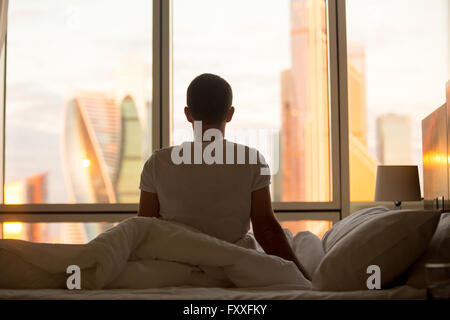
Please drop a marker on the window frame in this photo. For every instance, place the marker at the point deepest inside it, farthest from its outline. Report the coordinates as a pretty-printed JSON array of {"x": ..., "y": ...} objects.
[
  {"x": 2, "y": 119},
  {"x": 162, "y": 98}
]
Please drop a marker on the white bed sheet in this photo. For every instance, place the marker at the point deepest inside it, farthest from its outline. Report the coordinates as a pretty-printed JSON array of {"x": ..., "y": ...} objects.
[
  {"x": 197, "y": 293},
  {"x": 143, "y": 253}
]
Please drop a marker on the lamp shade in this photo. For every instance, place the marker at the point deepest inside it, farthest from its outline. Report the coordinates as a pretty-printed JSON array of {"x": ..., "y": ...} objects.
[{"x": 397, "y": 183}]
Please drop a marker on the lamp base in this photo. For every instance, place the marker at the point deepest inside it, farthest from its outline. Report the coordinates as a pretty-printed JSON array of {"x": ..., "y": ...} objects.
[{"x": 398, "y": 205}]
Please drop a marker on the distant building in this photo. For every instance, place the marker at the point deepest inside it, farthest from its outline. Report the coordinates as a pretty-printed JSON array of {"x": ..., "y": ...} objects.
[
  {"x": 305, "y": 113},
  {"x": 31, "y": 190},
  {"x": 363, "y": 171},
  {"x": 356, "y": 80},
  {"x": 130, "y": 161},
  {"x": 305, "y": 143},
  {"x": 37, "y": 188},
  {"x": 15, "y": 192},
  {"x": 305, "y": 108},
  {"x": 102, "y": 149},
  {"x": 363, "y": 165},
  {"x": 277, "y": 178},
  {"x": 394, "y": 139}
]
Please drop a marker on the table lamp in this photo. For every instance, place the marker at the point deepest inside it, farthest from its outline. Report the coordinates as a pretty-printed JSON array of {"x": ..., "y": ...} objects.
[{"x": 397, "y": 183}]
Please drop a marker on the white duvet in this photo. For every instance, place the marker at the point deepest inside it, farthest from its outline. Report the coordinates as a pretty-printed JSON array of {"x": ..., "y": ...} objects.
[{"x": 144, "y": 253}]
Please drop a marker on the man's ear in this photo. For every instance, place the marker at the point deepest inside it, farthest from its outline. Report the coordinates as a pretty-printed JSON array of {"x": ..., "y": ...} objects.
[
  {"x": 230, "y": 114},
  {"x": 188, "y": 115}
]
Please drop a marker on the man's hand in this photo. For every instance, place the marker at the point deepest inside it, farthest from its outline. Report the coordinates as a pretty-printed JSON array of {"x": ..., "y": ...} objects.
[
  {"x": 268, "y": 231},
  {"x": 148, "y": 205}
]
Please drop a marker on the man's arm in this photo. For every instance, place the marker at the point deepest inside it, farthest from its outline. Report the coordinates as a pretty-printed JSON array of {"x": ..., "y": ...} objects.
[
  {"x": 268, "y": 231},
  {"x": 148, "y": 205}
]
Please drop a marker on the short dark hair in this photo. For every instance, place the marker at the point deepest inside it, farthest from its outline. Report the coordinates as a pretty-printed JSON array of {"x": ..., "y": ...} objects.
[{"x": 209, "y": 97}]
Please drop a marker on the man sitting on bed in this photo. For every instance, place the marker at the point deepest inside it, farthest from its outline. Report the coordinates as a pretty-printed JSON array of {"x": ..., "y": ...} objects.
[{"x": 217, "y": 193}]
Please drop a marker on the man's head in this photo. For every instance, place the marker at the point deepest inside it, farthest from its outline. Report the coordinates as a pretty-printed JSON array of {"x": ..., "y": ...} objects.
[{"x": 209, "y": 99}]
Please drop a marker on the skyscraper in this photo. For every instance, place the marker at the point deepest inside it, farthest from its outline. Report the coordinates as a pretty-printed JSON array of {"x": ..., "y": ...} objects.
[
  {"x": 305, "y": 108},
  {"x": 130, "y": 161},
  {"x": 305, "y": 157},
  {"x": 356, "y": 91},
  {"x": 292, "y": 153},
  {"x": 394, "y": 139},
  {"x": 37, "y": 188},
  {"x": 102, "y": 149},
  {"x": 31, "y": 190},
  {"x": 363, "y": 165}
]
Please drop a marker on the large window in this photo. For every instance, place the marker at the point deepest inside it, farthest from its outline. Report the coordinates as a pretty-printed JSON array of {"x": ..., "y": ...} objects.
[
  {"x": 92, "y": 87},
  {"x": 398, "y": 63},
  {"x": 78, "y": 100},
  {"x": 274, "y": 55},
  {"x": 79, "y": 109}
]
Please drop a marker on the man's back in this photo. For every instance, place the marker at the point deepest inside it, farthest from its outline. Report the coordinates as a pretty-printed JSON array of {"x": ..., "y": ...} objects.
[
  {"x": 213, "y": 198},
  {"x": 219, "y": 197}
]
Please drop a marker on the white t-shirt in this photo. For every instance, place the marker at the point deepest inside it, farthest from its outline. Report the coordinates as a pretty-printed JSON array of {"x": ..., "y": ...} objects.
[{"x": 213, "y": 198}]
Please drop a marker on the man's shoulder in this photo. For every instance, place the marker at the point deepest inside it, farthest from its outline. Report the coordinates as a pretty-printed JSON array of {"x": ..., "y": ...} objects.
[
  {"x": 159, "y": 155},
  {"x": 242, "y": 146},
  {"x": 166, "y": 154},
  {"x": 250, "y": 152},
  {"x": 168, "y": 150},
  {"x": 163, "y": 151}
]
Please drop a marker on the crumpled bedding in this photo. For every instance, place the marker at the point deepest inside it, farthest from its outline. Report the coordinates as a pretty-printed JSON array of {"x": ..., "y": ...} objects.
[{"x": 144, "y": 252}]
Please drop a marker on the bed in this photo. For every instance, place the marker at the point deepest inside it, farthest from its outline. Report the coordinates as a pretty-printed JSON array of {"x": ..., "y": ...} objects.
[
  {"x": 141, "y": 259},
  {"x": 196, "y": 293}
]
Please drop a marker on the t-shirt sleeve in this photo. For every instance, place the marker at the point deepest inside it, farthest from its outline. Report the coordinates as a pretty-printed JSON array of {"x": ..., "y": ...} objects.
[
  {"x": 261, "y": 173},
  {"x": 148, "y": 177}
]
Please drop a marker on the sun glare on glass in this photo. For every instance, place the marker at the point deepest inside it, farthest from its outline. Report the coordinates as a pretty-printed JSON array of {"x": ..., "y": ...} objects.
[
  {"x": 12, "y": 228},
  {"x": 85, "y": 163}
]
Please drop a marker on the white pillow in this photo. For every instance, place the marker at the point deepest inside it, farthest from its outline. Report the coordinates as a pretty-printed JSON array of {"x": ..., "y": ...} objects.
[
  {"x": 392, "y": 240},
  {"x": 308, "y": 249},
  {"x": 343, "y": 227},
  {"x": 437, "y": 252}
]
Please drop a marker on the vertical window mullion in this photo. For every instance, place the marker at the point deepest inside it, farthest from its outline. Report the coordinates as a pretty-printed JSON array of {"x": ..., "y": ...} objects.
[
  {"x": 156, "y": 76},
  {"x": 343, "y": 107},
  {"x": 338, "y": 102},
  {"x": 166, "y": 73},
  {"x": 333, "y": 93},
  {"x": 162, "y": 73}
]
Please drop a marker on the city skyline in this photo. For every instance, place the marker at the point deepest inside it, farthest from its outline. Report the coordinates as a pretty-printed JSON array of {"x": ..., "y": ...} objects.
[
  {"x": 35, "y": 105},
  {"x": 51, "y": 63}
]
